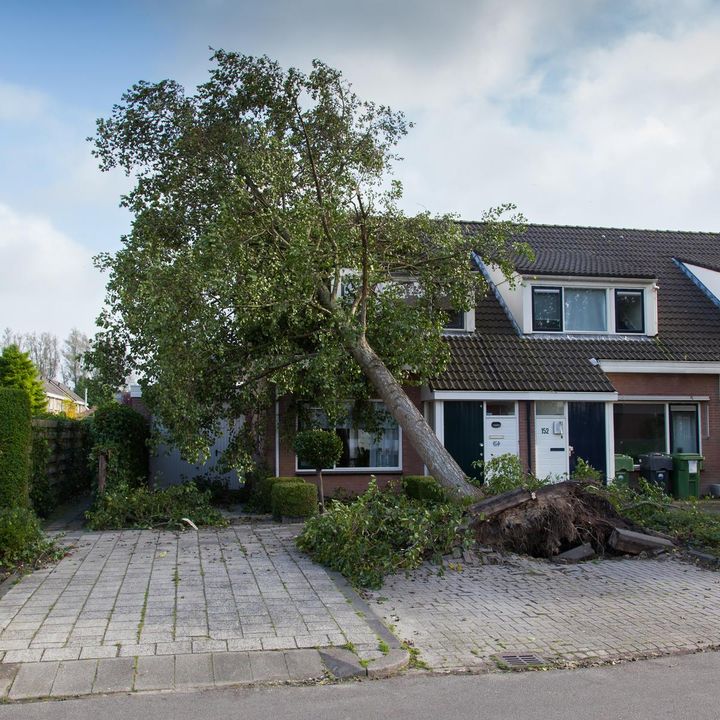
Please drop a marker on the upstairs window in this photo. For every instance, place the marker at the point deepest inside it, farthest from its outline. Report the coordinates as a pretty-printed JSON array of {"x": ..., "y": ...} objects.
[
  {"x": 587, "y": 310},
  {"x": 455, "y": 320},
  {"x": 629, "y": 311},
  {"x": 547, "y": 309}
]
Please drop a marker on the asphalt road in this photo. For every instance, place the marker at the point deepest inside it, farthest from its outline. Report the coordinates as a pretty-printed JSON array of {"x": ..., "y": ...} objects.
[{"x": 677, "y": 688}]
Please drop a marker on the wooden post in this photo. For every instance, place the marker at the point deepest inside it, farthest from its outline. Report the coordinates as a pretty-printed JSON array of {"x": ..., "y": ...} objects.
[{"x": 102, "y": 472}]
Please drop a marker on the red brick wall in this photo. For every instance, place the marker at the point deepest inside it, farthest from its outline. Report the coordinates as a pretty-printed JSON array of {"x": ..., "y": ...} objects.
[
  {"x": 684, "y": 385},
  {"x": 333, "y": 481},
  {"x": 527, "y": 449}
]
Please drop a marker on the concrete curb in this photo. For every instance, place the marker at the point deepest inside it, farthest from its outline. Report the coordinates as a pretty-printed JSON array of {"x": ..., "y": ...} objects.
[
  {"x": 389, "y": 665},
  {"x": 344, "y": 664},
  {"x": 159, "y": 673}
]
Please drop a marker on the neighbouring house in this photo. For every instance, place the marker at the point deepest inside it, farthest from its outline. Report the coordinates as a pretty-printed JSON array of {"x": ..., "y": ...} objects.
[
  {"x": 61, "y": 399},
  {"x": 607, "y": 342}
]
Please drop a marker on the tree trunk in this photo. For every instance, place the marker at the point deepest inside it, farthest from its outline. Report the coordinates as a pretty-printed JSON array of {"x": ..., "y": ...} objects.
[{"x": 438, "y": 460}]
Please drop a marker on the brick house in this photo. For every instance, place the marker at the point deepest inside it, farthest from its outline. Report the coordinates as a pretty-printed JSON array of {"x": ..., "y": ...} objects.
[{"x": 608, "y": 342}]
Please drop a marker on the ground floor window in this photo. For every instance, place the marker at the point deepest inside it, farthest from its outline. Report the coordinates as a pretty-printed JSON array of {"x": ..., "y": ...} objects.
[
  {"x": 362, "y": 449},
  {"x": 655, "y": 427},
  {"x": 684, "y": 435}
]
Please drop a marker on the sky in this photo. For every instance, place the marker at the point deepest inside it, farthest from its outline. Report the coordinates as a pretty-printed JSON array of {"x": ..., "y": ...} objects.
[{"x": 581, "y": 112}]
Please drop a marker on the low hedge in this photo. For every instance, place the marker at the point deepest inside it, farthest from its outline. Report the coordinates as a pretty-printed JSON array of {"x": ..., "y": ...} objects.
[
  {"x": 263, "y": 497},
  {"x": 21, "y": 539},
  {"x": 294, "y": 499},
  {"x": 421, "y": 487},
  {"x": 15, "y": 447}
]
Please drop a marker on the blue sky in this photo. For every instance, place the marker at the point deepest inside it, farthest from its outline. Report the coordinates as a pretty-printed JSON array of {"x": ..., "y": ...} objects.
[{"x": 590, "y": 112}]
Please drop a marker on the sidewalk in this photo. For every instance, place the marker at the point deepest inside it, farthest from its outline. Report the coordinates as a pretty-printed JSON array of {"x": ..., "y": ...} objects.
[{"x": 145, "y": 609}]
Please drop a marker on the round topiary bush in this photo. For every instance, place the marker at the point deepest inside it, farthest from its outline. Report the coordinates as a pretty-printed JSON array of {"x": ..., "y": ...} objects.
[
  {"x": 321, "y": 449},
  {"x": 294, "y": 500},
  {"x": 265, "y": 488},
  {"x": 15, "y": 447}
]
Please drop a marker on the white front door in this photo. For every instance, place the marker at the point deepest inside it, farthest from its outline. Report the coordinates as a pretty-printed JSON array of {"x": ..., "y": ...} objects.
[
  {"x": 551, "y": 440},
  {"x": 501, "y": 429}
]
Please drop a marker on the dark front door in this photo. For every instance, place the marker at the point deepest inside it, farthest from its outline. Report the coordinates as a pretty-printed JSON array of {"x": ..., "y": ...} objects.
[
  {"x": 464, "y": 433},
  {"x": 587, "y": 434}
]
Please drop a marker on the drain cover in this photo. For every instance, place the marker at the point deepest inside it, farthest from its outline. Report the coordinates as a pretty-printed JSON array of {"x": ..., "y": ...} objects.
[{"x": 521, "y": 660}]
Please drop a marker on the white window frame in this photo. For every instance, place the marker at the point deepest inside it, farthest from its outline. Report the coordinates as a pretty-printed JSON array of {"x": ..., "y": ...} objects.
[
  {"x": 666, "y": 405},
  {"x": 468, "y": 324},
  {"x": 358, "y": 470},
  {"x": 609, "y": 285}
]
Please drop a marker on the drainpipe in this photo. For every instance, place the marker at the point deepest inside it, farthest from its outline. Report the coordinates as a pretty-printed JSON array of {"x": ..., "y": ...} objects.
[{"x": 528, "y": 433}]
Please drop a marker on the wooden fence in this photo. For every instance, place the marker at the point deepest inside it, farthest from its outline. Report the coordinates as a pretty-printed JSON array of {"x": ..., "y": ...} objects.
[{"x": 68, "y": 449}]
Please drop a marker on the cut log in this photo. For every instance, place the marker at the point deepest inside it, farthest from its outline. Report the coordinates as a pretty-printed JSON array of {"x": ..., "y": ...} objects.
[
  {"x": 576, "y": 554},
  {"x": 500, "y": 503},
  {"x": 627, "y": 541}
]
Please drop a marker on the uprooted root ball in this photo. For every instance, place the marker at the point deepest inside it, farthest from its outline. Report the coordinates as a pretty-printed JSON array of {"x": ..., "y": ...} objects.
[{"x": 560, "y": 518}]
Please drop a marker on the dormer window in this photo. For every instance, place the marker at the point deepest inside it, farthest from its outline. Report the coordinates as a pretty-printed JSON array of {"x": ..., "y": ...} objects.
[
  {"x": 569, "y": 309},
  {"x": 576, "y": 309},
  {"x": 629, "y": 311},
  {"x": 459, "y": 321},
  {"x": 455, "y": 320}
]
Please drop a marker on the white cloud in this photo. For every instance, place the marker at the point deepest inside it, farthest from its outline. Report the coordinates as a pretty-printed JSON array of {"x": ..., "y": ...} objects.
[
  {"x": 630, "y": 138},
  {"x": 18, "y": 103},
  {"x": 47, "y": 281}
]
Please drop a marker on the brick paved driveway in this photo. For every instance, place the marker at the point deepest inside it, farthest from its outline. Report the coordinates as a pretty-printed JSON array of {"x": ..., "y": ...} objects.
[
  {"x": 604, "y": 610},
  {"x": 138, "y": 593}
]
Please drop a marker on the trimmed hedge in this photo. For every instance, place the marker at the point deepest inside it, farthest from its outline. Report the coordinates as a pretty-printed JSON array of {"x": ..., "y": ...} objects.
[
  {"x": 421, "y": 487},
  {"x": 265, "y": 488},
  {"x": 294, "y": 500},
  {"x": 122, "y": 434},
  {"x": 15, "y": 446}
]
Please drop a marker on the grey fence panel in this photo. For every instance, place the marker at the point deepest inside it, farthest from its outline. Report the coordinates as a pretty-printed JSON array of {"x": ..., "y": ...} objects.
[{"x": 168, "y": 468}]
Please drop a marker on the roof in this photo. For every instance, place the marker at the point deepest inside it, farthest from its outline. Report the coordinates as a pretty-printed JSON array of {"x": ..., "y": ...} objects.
[
  {"x": 497, "y": 357},
  {"x": 53, "y": 387}
]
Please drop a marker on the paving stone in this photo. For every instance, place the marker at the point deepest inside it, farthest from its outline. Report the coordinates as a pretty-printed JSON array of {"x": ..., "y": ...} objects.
[
  {"x": 23, "y": 656},
  {"x": 33, "y": 680},
  {"x": 74, "y": 677},
  {"x": 178, "y": 647},
  {"x": 98, "y": 651},
  {"x": 304, "y": 664},
  {"x": 268, "y": 666},
  {"x": 155, "y": 673},
  {"x": 114, "y": 675},
  {"x": 245, "y": 644},
  {"x": 232, "y": 668},
  {"x": 203, "y": 646},
  {"x": 136, "y": 650},
  {"x": 7, "y": 675},
  {"x": 193, "y": 670},
  {"x": 65, "y": 653}
]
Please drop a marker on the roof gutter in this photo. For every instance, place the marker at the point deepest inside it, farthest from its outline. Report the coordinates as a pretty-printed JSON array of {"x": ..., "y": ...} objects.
[{"x": 661, "y": 367}]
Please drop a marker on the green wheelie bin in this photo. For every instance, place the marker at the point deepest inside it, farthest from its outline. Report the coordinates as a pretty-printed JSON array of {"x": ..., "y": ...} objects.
[
  {"x": 624, "y": 465},
  {"x": 686, "y": 475}
]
